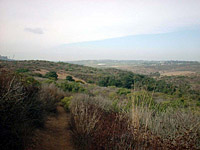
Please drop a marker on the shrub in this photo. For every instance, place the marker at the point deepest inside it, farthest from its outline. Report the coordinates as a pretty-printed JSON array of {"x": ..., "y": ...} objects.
[
  {"x": 49, "y": 81},
  {"x": 66, "y": 102},
  {"x": 21, "y": 111},
  {"x": 51, "y": 74},
  {"x": 71, "y": 87},
  {"x": 69, "y": 78},
  {"x": 123, "y": 91},
  {"x": 95, "y": 126},
  {"x": 83, "y": 120},
  {"x": 172, "y": 129},
  {"x": 37, "y": 75},
  {"x": 90, "y": 81},
  {"x": 50, "y": 94},
  {"x": 22, "y": 70}
]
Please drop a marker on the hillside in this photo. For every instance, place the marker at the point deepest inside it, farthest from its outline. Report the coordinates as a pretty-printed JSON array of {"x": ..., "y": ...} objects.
[
  {"x": 102, "y": 105},
  {"x": 172, "y": 87}
]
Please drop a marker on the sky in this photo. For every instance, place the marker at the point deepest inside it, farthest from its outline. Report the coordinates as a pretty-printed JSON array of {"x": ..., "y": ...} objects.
[{"x": 106, "y": 29}]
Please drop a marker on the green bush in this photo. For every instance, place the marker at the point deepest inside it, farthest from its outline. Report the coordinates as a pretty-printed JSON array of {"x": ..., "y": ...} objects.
[
  {"x": 71, "y": 87},
  {"x": 198, "y": 104},
  {"x": 69, "y": 78},
  {"x": 123, "y": 91},
  {"x": 90, "y": 81},
  {"x": 66, "y": 102},
  {"x": 22, "y": 70},
  {"x": 179, "y": 103},
  {"x": 51, "y": 74},
  {"x": 49, "y": 81}
]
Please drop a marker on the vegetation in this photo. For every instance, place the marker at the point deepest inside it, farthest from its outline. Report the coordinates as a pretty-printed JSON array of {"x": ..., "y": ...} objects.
[
  {"x": 97, "y": 124},
  {"x": 109, "y": 108},
  {"x": 22, "y": 70},
  {"x": 69, "y": 78},
  {"x": 185, "y": 87},
  {"x": 51, "y": 95},
  {"x": 66, "y": 102},
  {"x": 24, "y": 106},
  {"x": 51, "y": 74},
  {"x": 71, "y": 86},
  {"x": 21, "y": 110}
]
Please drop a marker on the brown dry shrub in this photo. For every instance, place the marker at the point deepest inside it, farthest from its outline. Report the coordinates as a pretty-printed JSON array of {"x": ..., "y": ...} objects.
[
  {"x": 94, "y": 127},
  {"x": 169, "y": 130},
  {"x": 51, "y": 95}
]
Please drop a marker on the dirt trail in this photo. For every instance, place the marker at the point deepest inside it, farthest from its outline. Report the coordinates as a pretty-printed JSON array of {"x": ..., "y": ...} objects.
[{"x": 56, "y": 135}]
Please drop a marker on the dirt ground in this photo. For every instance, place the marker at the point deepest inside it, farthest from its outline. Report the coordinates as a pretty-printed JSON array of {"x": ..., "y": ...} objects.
[
  {"x": 56, "y": 135},
  {"x": 61, "y": 74}
]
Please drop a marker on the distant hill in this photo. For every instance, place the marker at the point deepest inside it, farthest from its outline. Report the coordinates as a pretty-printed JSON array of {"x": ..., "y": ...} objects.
[{"x": 4, "y": 58}]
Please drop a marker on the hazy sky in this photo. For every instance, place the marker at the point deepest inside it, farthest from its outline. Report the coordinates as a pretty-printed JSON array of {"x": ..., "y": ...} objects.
[{"x": 30, "y": 29}]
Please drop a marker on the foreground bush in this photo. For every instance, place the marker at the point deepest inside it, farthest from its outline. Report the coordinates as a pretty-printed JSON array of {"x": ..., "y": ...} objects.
[
  {"x": 50, "y": 95},
  {"x": 95, "y": 124},
  {"x": 21, "y": 111}
]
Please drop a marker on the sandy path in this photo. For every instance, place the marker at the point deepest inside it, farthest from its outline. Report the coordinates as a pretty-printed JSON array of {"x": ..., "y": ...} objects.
[{"x": 56, "y": 135}]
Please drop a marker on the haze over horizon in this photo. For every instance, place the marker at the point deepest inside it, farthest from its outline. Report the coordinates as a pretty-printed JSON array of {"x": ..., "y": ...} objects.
[{"x": 68, "y": 30}]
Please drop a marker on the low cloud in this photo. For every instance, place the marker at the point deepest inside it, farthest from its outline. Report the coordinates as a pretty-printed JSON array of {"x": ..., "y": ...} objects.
[{"x": 34, "y": 30}]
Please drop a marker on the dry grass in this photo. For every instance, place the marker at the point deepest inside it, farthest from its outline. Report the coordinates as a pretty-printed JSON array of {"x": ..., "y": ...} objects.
[{"x": 83, "y": 120}]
